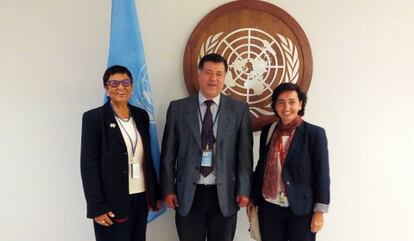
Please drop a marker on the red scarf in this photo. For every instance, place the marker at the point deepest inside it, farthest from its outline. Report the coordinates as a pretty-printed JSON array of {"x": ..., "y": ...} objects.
[{"x": 272, "y": 180}]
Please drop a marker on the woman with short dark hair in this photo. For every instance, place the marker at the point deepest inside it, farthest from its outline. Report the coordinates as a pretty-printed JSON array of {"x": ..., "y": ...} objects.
[{"x": 118, "y": 176}]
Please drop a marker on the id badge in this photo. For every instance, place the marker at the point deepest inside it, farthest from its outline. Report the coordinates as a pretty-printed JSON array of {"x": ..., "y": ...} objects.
[
  {"x": 282, "y": 200},
  {"x": 135, "y": 170},
  {"x": 207, "y": 160}
]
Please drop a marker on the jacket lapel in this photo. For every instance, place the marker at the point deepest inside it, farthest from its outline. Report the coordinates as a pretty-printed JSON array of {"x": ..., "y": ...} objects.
[
  {"x": 111, "y": 124},
  {"x": 193, "y": 119},
  {"x": 224, "y": 118},
  {"x": 296, "y": 141}
]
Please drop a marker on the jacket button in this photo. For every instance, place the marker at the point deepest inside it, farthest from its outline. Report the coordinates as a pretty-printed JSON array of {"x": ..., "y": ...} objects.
[
  {"x": 197, "y": 168},
  {"x": 288, "y": 183},
  {"x": 124, "y": 172},
  {"x": 194, "y": 183},
  {"x": 125, "y": 153}
]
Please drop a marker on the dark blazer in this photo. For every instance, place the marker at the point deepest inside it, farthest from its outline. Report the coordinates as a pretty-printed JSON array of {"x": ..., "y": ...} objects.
[
  {"x": 104, "y": 162},
  {"x": 305, "y": 172},
  {"x": 181, "y": 153}
]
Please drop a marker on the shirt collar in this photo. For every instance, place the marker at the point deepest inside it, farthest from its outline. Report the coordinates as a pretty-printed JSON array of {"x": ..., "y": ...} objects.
[{"x": 202, "y": 98}]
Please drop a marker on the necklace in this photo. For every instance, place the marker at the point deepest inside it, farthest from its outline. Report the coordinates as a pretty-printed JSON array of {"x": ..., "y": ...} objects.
[{"x": 120, "y": 118}]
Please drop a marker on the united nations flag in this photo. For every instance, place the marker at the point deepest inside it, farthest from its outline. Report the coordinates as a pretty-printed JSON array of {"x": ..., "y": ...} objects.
[{"x": 126, "y": 49}]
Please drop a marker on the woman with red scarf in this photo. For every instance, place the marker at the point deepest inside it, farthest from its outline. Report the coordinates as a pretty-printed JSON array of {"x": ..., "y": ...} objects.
[{"x": 291, "y": 179}]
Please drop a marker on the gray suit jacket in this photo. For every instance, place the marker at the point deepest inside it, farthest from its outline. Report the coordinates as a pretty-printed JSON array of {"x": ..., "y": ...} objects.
[{"x": 181, "y": 153}]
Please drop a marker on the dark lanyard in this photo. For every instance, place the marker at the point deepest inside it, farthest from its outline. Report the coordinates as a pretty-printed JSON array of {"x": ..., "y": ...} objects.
[{"x": 215, "y": 118}]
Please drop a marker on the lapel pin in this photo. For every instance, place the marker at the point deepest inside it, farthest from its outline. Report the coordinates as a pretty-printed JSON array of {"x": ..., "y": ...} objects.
[{"x": 112, "y": 125}]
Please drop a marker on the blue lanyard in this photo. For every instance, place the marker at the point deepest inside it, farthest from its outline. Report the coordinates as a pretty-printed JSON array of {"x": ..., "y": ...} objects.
[{"x": 134, "y": 148}]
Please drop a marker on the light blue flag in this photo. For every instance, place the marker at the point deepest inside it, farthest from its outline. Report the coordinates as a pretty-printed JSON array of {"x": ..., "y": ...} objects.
[{"x": 126, "y": 49}]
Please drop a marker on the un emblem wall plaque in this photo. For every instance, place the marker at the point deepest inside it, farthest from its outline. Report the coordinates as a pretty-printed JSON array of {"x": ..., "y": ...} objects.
[{"x": 264, "y": 46}]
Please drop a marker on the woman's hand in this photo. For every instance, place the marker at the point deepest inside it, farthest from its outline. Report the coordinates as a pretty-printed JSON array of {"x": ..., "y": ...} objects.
[
  {"x": 105, "y": 219},
  {"x": 160, "y": 203},
  {"x": 250, "y": 210},
  {"x": 317, "y": 222}
]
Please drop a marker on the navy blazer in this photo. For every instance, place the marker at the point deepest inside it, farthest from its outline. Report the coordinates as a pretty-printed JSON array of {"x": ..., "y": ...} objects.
[
  {"x": 305, "y": 172},
  {"x": 104, "y": 162}
]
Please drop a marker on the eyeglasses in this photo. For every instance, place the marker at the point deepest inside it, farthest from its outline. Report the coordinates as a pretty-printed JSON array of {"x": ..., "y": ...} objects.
[{"x": 116, "y": 83}]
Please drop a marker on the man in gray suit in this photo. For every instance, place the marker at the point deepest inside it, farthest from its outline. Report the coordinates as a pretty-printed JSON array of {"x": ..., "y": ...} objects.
[{"x": 206, "y": 157}]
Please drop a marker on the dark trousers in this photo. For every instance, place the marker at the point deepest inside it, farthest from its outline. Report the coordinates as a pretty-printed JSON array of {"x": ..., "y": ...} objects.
[
  {"x": 133, "y": 229},
  {"x": 205, "y": 219},
  {"x": 280, "y": 224}
]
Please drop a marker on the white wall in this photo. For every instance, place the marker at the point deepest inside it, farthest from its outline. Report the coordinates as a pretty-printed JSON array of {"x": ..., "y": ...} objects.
[{"x": 52, "y": 55}]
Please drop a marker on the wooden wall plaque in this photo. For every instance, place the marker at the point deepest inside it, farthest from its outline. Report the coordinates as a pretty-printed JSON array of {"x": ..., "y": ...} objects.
[{"x": 264, "y": 46}]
